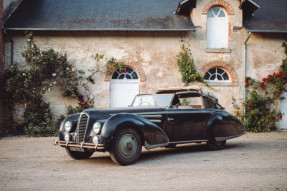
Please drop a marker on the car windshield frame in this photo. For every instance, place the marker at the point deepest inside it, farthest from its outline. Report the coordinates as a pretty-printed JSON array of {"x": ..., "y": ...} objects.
[{"x": 156, "y": 100}]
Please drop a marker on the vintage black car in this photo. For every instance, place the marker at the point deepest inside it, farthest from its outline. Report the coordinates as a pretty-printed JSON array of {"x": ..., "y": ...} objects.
[{"x": 165, "y": 119}]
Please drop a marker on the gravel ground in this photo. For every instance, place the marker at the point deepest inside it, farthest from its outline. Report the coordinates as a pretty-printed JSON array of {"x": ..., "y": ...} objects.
[{"x": 250, "y": 162}]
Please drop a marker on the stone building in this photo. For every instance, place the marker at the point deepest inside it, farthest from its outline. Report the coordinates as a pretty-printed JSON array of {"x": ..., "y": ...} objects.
[
  {"x": 229, "y": 39},
  {"x": 1, "y": 68}
]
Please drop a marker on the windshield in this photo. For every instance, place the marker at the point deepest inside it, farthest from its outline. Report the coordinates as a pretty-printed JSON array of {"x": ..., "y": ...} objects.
[{"x": 152, "y": 100}]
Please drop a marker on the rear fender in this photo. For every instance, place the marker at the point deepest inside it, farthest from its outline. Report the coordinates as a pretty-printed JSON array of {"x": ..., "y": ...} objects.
[
  {"x": 152, "y": 135},
  {"x": 222, "y": 126}
]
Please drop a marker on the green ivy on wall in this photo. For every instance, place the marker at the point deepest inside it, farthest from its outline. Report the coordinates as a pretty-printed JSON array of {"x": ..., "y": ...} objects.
[
  {"x": 44, "y": 69},
  {"x": 186, "y": 66}
]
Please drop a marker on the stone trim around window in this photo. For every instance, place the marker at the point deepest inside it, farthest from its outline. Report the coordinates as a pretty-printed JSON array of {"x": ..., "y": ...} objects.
[
  {"x": 221, "y": 3},
  {"x": 134, "y": 66},
  {"x": 232, "y": 74},
  {"x": 218, "y": 50}
]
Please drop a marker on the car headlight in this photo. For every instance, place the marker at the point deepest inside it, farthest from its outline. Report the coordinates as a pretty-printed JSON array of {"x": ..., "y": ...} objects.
[
  {"x": 68, "y": 126},
  {"x": 67, "y": 137},
  {"x": 97, "y": 127},
  {"x": 95, "y": 139}
]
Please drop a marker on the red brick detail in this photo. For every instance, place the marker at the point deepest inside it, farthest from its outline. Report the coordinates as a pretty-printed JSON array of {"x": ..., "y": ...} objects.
[
  {"x": 219, "y": 64},
  {"x": 221, "y": 3},
  {"x": 137, "y": 67}
]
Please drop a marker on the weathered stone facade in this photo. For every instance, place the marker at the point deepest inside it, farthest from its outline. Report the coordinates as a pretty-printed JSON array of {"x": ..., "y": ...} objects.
[
  {"x": 153, "y": 55},
  {"x": 1, "y": 70}
]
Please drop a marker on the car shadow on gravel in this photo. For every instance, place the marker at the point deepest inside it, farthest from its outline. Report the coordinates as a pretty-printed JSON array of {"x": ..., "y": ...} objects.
[
  {"x": 159, "y": 153},
  {"x": 184, "y": 149}
]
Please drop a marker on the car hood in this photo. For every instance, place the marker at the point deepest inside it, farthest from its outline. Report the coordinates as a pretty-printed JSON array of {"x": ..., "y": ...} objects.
[{"x": 104, "y": 113}]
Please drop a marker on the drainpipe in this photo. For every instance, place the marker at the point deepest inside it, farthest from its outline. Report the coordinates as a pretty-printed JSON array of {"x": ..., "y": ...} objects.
[
  {"x": 245, "y": 64},
  {"x": 11, "y": 42},
  {"x": 5, "y": 32}
]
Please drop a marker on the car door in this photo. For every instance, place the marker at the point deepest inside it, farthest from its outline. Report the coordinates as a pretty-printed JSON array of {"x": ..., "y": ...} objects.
[{"x": 187, "y": 121}]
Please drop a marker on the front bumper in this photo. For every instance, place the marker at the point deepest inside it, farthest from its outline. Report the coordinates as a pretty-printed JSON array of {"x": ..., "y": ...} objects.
[{"x": 90, "y": 146}]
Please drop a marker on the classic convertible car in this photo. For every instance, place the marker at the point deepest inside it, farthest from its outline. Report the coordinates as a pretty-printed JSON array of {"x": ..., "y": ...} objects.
[{"x": 165, "y": 119}]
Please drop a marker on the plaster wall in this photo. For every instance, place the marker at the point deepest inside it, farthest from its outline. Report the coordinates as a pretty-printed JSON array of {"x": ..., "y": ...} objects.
[
  {"x": 265, "y": 54},
  {"x": 155, "y": 52}
]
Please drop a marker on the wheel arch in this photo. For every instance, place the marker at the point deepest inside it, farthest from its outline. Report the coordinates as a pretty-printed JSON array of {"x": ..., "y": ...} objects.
[
  {"x": 150, "y": 133},
  {"x": 223, "y": 126}
]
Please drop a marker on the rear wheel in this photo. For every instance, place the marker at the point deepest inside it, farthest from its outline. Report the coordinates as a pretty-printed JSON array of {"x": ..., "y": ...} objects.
[
  {"x": 216, "y": 145},
  {"x": 127, "y": 147},
  {"x": 79, "y": 155}
]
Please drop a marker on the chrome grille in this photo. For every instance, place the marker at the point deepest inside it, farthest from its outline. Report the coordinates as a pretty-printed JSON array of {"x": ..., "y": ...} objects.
[{"x": 81, "y": 128}]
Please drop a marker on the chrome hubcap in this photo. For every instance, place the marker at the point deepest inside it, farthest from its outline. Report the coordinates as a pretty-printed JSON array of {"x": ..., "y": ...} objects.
[{"x": 127, "y": 146}]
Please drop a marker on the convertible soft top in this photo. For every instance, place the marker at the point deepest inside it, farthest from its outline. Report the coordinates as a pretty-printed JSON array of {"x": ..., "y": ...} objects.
[{"x": 187, "y": 88}]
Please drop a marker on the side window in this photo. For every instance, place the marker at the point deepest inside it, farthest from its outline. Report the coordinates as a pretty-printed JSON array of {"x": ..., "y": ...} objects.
[
  {"x": 217, "y": 28},
  {"x": 189, "y": 102}
]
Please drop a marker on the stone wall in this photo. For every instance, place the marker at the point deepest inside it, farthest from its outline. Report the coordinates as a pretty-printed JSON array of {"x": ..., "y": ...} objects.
[
  {"x": 153, "y": 55},
  {"x": 2, "y": 128}
]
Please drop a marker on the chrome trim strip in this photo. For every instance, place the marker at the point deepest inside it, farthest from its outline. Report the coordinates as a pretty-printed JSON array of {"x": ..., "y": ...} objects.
[
  {"x": 180, "y": 111},
  {"x": 151, "y": 116},
  {"x": 191, "y": 141},
  {"x": 154, "y": 120}
]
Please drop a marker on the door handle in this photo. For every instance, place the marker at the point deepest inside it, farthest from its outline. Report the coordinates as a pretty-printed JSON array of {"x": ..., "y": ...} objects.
[{"x": 170, "y": 119}]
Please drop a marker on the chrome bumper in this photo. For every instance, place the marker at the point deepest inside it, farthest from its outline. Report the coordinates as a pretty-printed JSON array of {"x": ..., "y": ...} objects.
[{"x": 83, "y": 145}]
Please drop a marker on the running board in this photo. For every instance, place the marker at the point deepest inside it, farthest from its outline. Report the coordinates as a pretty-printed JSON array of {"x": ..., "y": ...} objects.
[{"x": 192, "y": 141}]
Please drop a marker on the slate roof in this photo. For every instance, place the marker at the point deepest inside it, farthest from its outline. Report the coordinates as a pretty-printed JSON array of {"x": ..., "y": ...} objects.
[
  {"x": 98, "y": 15},
  {"x": 270, "y": 17}
]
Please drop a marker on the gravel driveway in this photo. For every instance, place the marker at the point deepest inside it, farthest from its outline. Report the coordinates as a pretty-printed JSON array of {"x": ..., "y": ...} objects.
[{"x": 250, "y": 162}]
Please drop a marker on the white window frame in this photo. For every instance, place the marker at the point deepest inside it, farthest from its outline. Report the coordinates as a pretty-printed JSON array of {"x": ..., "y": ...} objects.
[
  {"x": 217, "y": 81},
  {"x": 217, "y": 29}
]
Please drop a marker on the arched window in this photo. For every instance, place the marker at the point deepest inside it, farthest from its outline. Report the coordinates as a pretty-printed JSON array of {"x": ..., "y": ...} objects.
[
  {"x": 217, "y": 28},
  {"x": 125, "y": 73},
  {"x": 216, "y": 75}
]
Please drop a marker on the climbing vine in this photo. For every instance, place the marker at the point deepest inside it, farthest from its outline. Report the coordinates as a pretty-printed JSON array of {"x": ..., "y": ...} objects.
[
  {"x": 26, "y": 86},
  {"x": 261, "y": 107},
  {"x": 186, "y": 66}
]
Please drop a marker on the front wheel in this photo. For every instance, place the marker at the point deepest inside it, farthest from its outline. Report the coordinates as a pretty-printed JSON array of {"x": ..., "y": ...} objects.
[
  {"x": 216, "y": 145},
  {"x": 127, "y": 147},
  {"x": 79, "y": 155}
]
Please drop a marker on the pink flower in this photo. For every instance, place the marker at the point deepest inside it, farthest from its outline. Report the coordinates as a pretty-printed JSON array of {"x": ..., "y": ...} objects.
[{"x": 250, "y": 105}]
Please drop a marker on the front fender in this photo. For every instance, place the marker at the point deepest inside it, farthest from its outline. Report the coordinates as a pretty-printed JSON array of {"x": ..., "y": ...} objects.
[
  {"x": 222, "y": 126},
  {"x": 74, "y": 119},
  {"x": 153, "y": 135}
]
